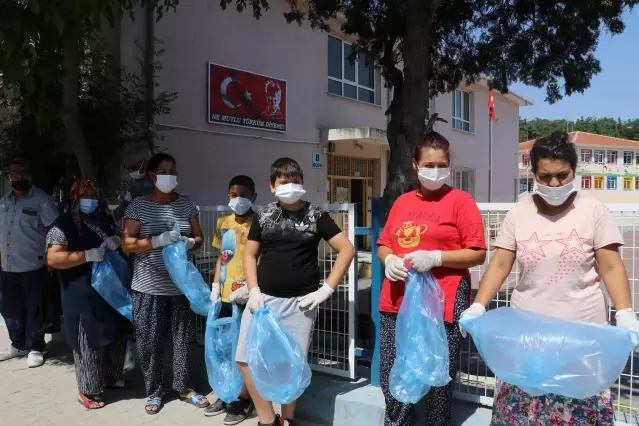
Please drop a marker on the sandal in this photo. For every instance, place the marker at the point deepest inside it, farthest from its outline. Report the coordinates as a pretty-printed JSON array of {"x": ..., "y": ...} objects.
[
  {"x": 195, "y": 399},
  {"x": 91, "y": 402},
  {"x": 153, "y": 402}
]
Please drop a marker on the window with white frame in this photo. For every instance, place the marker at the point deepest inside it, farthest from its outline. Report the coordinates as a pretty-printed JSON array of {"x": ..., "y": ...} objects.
[
  {"x": 628, "y": 157},
  {"x": 612, "y": 157},
  {"x": 586, "y": 155},
  {"x": 462, "y": 110},
  {"x": 350, "y": 77},
  {"x": 464, "y": 179},
  {"x": 611, "y": 182},
  {"x": 586, "y": 182},
  {"x": 599, "y": 156}
]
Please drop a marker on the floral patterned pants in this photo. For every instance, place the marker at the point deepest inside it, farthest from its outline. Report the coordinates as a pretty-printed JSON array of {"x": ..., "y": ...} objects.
[{"x": 514, "y": 407}]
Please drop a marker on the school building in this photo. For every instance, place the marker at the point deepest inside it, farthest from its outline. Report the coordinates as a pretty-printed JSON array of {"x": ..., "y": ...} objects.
[
  {"x": 251, "y": 91},
  {"x": 608, "y": 167}
]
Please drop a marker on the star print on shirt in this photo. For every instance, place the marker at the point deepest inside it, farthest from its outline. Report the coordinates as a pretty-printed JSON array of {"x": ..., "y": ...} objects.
[
  {"x": 573, "y": 244},
  {"x": 533, "y": 245}
]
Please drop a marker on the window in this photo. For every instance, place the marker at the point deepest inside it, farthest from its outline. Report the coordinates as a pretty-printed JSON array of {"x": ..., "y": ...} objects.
[
  {"x": 586, "y": 182},
  {"x": 637, "y": 182},
  {"x": 612, "y": 157},
  {"x": 627, "y": 183},
  {"x": 611, "y": 182},
  {"x": 525, "y": 159},
  {"x": 628, "y": 157},
  {"x": 586, "y": 155},
  {"x": 599, "y": 182},
  {"x": 464, "y": 179},
  {"x": 599, "y": 156},
  {"x": 348, "y": 77},
  {"x": 462, "y": 110}
]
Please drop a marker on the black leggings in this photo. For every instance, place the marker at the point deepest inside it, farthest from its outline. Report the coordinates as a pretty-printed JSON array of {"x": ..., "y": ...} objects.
[{"x": 438, "y": 400}]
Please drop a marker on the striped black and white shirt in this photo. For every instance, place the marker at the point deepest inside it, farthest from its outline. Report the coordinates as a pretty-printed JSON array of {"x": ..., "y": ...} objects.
[{"x": 149, "y": 273}]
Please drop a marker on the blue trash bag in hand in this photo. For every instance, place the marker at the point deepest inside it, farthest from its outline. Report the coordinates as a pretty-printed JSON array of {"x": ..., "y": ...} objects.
[
  {"x": 276, "y": 359},
  {"x": 111, "y": 279},
  {"x": 542, "y": 355},
  {"x": 186, "y": 276},
  {"x": 422, "y": 359},
  {"x": 220, "y": 345}
]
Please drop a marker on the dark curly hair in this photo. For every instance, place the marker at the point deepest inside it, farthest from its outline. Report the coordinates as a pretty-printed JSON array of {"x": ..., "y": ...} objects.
[{"x": 554, "y": 147}]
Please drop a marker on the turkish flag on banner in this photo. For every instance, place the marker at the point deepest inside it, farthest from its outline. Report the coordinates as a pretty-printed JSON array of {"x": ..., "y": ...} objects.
[{"x": 491, "y": 104}]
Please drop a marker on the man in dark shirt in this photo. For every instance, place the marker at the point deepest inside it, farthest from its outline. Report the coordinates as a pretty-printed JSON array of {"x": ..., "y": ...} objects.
[{"x": 285, "y": 236}]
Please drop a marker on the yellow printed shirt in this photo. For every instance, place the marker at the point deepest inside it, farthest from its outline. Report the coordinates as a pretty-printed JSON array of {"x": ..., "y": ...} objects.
[{"x": 230, "y": 239}]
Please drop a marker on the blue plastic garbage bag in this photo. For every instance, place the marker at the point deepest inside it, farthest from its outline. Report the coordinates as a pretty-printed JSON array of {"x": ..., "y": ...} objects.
[
  {"x": 220, "y": 345},
  {"x": 276, "y": 359},
  {"x": 542, "y": 354},
  {"x": 186, "y": 276},
  {"x": 422, "y": 359},
  {"x": 111, "y": 279}
]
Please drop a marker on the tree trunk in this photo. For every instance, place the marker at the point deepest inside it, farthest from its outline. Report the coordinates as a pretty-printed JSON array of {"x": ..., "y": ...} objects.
[
  {"x": 70, "y": 117},
  {"x": 410, "y": 99}
]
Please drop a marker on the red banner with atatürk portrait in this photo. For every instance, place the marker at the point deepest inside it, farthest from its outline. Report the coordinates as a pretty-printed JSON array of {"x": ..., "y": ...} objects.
[{"x": 241, "y": 98}]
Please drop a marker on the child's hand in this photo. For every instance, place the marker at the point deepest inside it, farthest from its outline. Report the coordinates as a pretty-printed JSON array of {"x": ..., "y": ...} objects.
[
  {"x": 255, "y": 300},
  {"x": 240, "y": 296},
  {"x": 215, "y": 292}
]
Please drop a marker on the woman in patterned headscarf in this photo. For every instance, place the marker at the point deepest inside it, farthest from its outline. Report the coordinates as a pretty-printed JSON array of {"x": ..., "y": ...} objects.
[{"x": 96, "y": 332}]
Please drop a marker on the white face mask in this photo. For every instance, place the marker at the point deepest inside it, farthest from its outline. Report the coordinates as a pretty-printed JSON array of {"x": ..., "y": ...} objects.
[
  {"x": 240, "y": 205},
  {"x": 138, "y": 174},
  {"x": 166, "y": 183},
  {"x": 289, "y": 193},
  {"x": 555, "y": 195},
  {"x": 433, "y": 179}
]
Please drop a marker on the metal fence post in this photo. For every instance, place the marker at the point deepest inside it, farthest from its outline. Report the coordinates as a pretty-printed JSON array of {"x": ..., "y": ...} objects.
[{"x": 376, "y": 286}]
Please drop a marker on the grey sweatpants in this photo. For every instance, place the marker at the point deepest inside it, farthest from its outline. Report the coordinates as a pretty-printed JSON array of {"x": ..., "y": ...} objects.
[{"x": 299, "y": 322}]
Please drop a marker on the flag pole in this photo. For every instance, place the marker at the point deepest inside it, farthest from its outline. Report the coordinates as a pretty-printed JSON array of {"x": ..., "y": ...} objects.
[{"x": 490, "y": 158}]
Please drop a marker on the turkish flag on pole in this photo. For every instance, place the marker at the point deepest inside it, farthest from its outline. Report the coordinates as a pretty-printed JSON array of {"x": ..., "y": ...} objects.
[{"x": 491, "y": 104}]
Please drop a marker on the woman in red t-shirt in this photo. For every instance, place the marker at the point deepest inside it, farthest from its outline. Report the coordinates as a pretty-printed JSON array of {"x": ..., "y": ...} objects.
[{"x": 436, "y": 228}]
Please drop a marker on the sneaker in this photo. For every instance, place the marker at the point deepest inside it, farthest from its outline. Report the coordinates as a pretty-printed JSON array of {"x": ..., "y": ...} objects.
[
  {"x": 238, "y": 411},
  {"x": 11, "y": 353},
  {"x": 215, "y": 409},
  {"x": 280, "y": 422},
  {"x": 35, "y": 359}
]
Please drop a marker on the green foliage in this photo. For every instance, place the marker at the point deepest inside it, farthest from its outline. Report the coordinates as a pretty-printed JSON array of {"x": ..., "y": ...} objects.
[
  {"x": 538, "y": 127},
  {"x": 111, "y": 112}
]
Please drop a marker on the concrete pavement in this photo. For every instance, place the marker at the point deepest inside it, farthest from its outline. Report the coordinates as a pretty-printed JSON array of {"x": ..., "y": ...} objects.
[{"x": 46, "y": 396}]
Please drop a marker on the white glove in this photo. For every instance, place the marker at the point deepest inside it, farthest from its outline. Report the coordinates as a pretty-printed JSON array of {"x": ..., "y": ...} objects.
[
  {"x": 395, "y": 269},
  {"x": 215, "y": 292},
  {"x": 189, "y": 242},
  {"x": 112, "y": 243},
  {"x": 94, "y": 255},
  {"x": 255, "y": 300},
  {"x": 424, "y": 260},
  {"x": 128, "y": 197},
  {"x": 316, "y": 298},
  {"x": 476, "y": 310},
  {"x": 240, "y": 296},
  {"x": 626, "y": 318},
  {"x": 165, "y": 238}
]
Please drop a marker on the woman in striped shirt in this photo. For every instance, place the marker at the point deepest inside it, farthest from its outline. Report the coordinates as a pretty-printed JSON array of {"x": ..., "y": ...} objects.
[{"x": 159, "y": 308}]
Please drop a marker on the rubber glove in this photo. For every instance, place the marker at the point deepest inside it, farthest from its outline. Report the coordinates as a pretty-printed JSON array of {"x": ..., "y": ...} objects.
[
  {"x": 165, "y": 238},
  {"x": 626, "y": 318},
  {"x": 128, "y": 197},
  {"x": 189, "y": 242},
  {"x": 94, "y": 255},
  {"x": 395, "y": 269},
  {"x": 240, "y": 296},
  {"x": 255, "y": 300},
  {"x": 316, "y": 298},
  {"x": 112, "y": 243},
  {"x": 475, "y": 311},
  {"x": 424, "y": 260},
  {"x": 215, "y": 292}
]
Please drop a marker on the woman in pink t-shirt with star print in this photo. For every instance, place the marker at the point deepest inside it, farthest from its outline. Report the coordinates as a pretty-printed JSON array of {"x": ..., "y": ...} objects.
[{"x": 566, "y": 243}]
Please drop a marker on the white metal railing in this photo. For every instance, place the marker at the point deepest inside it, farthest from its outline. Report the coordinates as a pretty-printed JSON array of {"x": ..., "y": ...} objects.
[{"x": 476, "y": 383}]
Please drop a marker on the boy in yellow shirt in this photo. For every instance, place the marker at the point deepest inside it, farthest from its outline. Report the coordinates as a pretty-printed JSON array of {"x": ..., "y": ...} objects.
[{"x": 231, "y": 235}]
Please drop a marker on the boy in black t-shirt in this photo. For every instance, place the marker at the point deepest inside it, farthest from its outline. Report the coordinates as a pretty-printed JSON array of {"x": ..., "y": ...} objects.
[{"x": 285, "y": 236}]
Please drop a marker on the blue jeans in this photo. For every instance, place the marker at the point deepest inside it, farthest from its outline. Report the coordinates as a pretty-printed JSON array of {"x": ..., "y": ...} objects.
[{"x": 21, "y": 307}]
